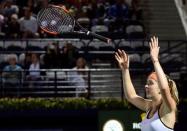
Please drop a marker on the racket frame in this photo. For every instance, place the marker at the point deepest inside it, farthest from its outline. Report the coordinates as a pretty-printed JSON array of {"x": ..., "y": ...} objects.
[{"x": 82, "y": 29}]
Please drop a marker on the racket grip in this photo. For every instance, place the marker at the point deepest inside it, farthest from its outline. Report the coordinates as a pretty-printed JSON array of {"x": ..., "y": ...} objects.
[{"x": 100, "y": 37}]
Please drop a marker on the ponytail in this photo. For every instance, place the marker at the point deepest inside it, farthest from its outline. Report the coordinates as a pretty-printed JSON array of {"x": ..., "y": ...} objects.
[{"x": 173, "y": 90}]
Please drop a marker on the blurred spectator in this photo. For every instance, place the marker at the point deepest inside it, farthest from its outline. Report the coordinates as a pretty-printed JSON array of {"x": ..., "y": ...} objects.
[
  {"x": 12, "y": 75},
  {"x": 13, "y": 29},
  {"x": 22, "y": 3},
  {"x": 38, "y": 5},
  {"x": 101, "y": 12},
  {"x": 136, "y": 10},
  {"x": 111, "y": 13},
  {"x": 78, "y": 3},
  {"x": 69, "y": 56},
  {"x": 78, "y": 78},
  {"x": 34, "y": 69},
  {"x": 117, "y": 15},
  {"x": 31, "y": 3},
  {"x": 28, "y": 24},
  {"x": 34, "y": 73},
  {"x": 118, "y": 10},
  {"x": 27, "y": 61},
  {"x": 52, "y": 58},
  {"x": 73, "y": 11},
  {"x": 8, "y": 8},
  {"x": 91, "y": 10},
  {"x": 97, "y": 12},
  {"x": 81, "y": 64}
]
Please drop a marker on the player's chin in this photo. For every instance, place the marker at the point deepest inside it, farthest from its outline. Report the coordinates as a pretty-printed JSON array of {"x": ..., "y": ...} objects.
[{"x": 148, "y": 96}]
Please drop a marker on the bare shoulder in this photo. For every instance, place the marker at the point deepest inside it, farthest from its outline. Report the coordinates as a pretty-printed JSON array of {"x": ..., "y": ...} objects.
[{"x": 140, "y": 102}]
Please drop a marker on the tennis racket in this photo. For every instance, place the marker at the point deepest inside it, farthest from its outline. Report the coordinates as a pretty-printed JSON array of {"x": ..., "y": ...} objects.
[{"x": 57, "y": 20}]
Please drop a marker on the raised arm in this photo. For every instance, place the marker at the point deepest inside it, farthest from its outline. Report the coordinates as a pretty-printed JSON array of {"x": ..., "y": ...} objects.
[
  {"x": 130, "y": 93},
  {"x": 162, "y": 80}
]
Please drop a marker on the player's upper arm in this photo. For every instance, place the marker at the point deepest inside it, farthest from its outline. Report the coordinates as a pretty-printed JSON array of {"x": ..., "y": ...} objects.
[
  {"x": 140, "y": 102},
  {"x": 168, "y": 99}
]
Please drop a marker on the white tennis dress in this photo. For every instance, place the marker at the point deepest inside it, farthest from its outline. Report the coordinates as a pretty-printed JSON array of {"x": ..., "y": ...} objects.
[{"x": 154, "y": 124}]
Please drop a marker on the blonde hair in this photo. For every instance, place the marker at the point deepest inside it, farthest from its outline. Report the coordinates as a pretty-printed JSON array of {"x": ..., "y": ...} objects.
[
  {"x": 173, "y": 89},
  {"x": 171, "y": 84}
]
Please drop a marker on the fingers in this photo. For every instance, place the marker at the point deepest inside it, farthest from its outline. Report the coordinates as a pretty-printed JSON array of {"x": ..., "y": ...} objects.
[
  {"x": 125, "y": 57},
  {"x": 150, "y": 45},
  {"x": 157, "y": 41},
  {"x": 154, "y": 42},
  {"x": 120, "y": 54},
  {"x": 117, "y": 56}
]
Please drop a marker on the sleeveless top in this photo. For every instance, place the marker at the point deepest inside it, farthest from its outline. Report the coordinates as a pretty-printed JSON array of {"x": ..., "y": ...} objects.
[{"x": 154, "y": 124}]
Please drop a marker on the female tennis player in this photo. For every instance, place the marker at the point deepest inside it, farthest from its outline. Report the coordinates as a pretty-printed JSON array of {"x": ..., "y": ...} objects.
[{"x": 161, "y": 92}]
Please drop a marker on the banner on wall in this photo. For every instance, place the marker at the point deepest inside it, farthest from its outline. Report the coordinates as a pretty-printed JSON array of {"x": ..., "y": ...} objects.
[{"x": 120, "y": 120}]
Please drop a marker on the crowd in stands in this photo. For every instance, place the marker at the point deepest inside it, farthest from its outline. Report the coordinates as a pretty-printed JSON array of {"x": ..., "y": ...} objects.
[
  {"x": 18, "y": 21},
  {"x": 18, "y": 68},
  {"x": 18, "y": 18},
  {"x": 54, "y": 57}
]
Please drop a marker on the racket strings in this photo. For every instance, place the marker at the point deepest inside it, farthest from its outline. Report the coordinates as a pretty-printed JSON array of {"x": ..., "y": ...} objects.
[{"x": 55, "y": 20}]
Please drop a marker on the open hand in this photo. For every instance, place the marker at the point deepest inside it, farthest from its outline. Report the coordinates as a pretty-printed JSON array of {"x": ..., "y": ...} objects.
[
  {"x": 154, "y": 48},
  {"x": 123, "y": 59}
]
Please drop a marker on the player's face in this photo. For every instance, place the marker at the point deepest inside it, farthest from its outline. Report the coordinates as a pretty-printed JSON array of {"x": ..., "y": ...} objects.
[{"x": 151, "y": 88}]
